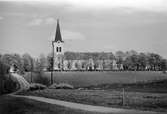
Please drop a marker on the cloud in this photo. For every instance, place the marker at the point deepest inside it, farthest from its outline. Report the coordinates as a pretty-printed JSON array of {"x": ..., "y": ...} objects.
[
  {"x": 35, "y": 22},
  {"x": 50, "y": 21},
  {"x": 70, "y": 35},
  {"x": 112, "y": 48},
  {"x": 151, "y": 5},
  {"x": 42, "y": 21},
  {"x": 1, "y": 18},
  {"x": 17, "y": 14}
]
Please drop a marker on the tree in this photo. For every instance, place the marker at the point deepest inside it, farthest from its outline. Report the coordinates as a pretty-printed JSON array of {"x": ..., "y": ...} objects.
[
  {"x": 163, "y": 64},
  {"x": 130, "y": 53},
  {"x": 6, "y": 84},
  {"x": 27, "y": 62},
  {"x": 154, "y": 61},
  {"x": 41, "y": 63},
  {"x": 143, "y": 61},
  {"x": 10, "y": 59},
  {"x": 49, "y": 62},
  {"x": 131, "y": 62},
  {"x": 120, "y": 54},
  {"x": 4, "y": 69}
]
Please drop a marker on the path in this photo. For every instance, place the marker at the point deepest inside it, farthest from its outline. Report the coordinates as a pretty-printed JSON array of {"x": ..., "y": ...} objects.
[
  {"x": 85, "y": 107},
  {"x": 23, "y": 84}
]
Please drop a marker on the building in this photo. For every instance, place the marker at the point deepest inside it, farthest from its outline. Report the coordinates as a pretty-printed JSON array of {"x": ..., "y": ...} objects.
[
  {"x": 58, "y": 51},
  {"x": 59, "y": 63}
]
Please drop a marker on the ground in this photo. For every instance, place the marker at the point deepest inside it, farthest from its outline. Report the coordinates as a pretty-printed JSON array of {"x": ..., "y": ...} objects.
[
  {"x": 145, "y": 98},
  {"x": 82, "y": 79},
  {"x": 13, "y": 105},
  {"x": 132, "y": 100}
]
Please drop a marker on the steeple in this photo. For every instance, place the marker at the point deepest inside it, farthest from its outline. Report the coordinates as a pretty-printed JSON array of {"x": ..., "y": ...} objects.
[{"x": 58, "y": 33}]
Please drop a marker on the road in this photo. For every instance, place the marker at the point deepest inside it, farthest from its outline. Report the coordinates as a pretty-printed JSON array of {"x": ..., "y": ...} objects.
[{"x": 85, "y": 107}]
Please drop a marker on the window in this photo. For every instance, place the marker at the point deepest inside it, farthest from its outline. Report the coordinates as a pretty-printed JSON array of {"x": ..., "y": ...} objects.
[{"x": 59, "y": 49}]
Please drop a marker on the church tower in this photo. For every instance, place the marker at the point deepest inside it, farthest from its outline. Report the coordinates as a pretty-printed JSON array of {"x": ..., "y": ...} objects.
[{"x": 58, "y": 51}]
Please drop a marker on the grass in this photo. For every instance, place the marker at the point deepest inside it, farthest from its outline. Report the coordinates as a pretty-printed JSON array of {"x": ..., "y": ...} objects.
[
  {"x": 83, "y": 79},
  {"x": 134, "y": 100},
  {"x": 12, "y": 105},
  {"x": 149, "y": 93},
  {"x": 158, "y": 86}
]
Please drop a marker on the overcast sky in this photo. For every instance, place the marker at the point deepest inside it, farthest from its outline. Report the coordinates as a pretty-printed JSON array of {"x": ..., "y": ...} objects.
[{"x": 86, "y": 25}]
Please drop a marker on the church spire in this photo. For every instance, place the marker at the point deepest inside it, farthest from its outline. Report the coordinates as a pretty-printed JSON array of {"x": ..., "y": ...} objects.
[{"x": 58, "y": 33}]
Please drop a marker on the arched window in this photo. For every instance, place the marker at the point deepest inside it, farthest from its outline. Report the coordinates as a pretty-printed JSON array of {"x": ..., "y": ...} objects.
[{"x": 57, "y": 49}]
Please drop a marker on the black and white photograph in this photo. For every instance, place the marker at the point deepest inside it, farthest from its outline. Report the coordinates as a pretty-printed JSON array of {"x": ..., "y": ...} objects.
[{"x": 83, "y": 56}]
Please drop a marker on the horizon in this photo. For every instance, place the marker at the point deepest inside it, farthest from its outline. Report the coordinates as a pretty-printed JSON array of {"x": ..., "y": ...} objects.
[{"x": 109, "y": 26}]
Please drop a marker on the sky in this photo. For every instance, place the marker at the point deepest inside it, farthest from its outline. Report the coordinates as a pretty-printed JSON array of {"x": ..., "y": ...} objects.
[{"x": 86, "y": 25}]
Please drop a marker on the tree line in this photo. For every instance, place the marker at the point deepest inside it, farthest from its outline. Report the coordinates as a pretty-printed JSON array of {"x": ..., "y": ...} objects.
[{"x": 131, "y": 60}]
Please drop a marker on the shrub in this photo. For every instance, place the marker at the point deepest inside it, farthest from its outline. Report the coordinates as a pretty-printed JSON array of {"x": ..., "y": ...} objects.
[
  {"x": 61, "y": 86},
  {"x": 7, "y": 85},
  {"x": 40, "y": 78},
  {"x": 53, "y": 86},
  {"x": 37, "y": 86},
  {"x": 4, "y": 68}
]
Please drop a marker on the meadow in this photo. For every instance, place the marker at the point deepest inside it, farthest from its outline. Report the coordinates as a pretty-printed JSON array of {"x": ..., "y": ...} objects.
[
  {"x": 142, "y": 90},
  {"x": 84, "y": 79},
  {"x": 110, "y": 98}
]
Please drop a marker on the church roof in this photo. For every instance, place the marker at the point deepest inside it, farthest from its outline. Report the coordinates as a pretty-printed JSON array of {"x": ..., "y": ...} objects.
[{"x": 58, "y": 33}]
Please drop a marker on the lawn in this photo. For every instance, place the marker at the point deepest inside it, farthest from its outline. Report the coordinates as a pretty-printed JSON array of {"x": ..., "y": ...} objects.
[
  {"x": 132, "y": 100},
  {"x": 82, "y": 79},
  {"x": 13, "y": 105}
]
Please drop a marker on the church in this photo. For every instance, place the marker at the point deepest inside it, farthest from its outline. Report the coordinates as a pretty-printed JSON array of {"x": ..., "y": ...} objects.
[
  {"x": 58, "y": 52},
  {"x": 60, "y": 63}
]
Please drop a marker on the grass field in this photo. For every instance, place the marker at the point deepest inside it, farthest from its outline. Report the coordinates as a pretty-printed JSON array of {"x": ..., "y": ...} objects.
[
  {"x": 82, "y": 79},
  {"x": 132, "y": 100},
  {"x": 150, "y": 95},
  {"x": 143, "y": 90},
  {"x": 156, "y": 86},
  {"x": 13, "y": 105}
]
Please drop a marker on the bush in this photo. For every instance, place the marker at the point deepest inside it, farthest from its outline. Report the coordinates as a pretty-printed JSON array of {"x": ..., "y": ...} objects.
[
  {"x": 7, "y": 85},
  {"x": 40, "y": 78},
  {"x": 53, "y": 86},
  {"x": 3, "y": 70},
  {"x": 37, "y": 86},
  {"x": 61, "y": 86}
]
